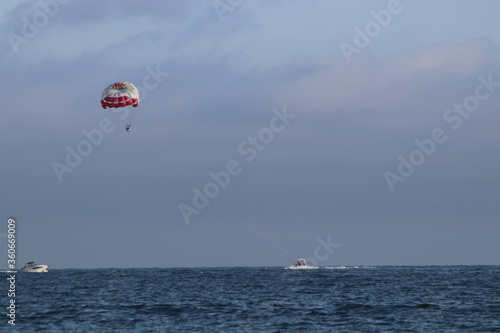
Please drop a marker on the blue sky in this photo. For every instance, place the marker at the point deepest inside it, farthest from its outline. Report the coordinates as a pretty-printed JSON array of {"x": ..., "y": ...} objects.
[{"x": 385, "y": 156}]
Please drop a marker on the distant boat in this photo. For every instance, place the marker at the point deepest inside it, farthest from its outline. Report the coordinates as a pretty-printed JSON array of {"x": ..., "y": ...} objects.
[
  {"x": 300, "y": 264},
  {"x": 34, "y": 268}
]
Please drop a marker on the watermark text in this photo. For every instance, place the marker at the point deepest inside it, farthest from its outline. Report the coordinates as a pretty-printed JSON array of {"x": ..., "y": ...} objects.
[
  {"x": 454, "y": 118},
  {"x": 249, "y": 149},
  {"x": 11, "y": 264}
]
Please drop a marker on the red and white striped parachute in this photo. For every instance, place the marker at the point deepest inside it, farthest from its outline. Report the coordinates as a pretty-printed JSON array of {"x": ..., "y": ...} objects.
[{"x": 120, "y": 94}]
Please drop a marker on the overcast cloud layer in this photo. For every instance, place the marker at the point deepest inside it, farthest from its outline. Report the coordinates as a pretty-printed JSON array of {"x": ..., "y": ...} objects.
[{"x": 344, "y": 132}]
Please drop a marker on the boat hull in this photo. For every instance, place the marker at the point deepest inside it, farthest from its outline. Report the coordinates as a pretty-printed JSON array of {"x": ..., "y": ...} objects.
[
  {"x": 36, "y": 269},
  {"x": 301, "y": 267}
]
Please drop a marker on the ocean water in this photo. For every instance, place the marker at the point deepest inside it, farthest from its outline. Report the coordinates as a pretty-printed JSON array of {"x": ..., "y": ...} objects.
[{"x": 266, "y": 299}]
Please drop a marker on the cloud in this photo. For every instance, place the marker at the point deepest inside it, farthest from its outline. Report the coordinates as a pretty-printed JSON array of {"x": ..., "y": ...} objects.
[
  {"x": 390, "y": 83},
  {"x": 49, "y": 29},
  {"x": 225, "y": 77},
  {"x": 458, "y": 59}
]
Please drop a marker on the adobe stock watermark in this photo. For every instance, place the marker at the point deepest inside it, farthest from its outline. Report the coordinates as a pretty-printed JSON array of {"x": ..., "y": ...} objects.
[
  {"x": 322, "y": 251},
  {"x": 11, "y": 264},
  {"x": 454, "y": 118},
  {"x": 363, "y": 37},
  {"x": 95, "y": 136},
  {"x": 223, "y": 6},
  {"x": 31, "y": 26},
  {"x": 248, "y": 149}
]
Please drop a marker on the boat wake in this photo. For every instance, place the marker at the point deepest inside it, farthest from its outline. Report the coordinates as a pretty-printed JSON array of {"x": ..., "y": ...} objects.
[{"x": 348, "y": 267}]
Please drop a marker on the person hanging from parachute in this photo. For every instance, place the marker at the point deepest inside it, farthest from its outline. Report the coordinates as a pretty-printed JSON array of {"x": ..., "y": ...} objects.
[{"x": 119, "y": 95}]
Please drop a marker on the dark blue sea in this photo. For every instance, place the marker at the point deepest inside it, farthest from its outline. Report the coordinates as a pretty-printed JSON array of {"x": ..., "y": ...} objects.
[{"x": 267, "y": 299}]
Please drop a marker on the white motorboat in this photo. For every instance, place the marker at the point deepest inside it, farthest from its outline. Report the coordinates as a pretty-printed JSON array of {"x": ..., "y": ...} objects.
[
  {"x": 34, "y": 268},
  {"x": 300, "y": 264}
]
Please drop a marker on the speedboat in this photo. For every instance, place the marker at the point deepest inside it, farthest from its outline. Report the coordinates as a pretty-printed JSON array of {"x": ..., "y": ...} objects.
[
  {"x": 34, "y": 268},
  {"x": 300, "y": 264}
]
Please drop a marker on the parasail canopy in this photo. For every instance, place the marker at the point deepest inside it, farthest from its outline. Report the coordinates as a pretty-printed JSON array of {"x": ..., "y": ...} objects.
[{"x": 120, "y": 94}]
